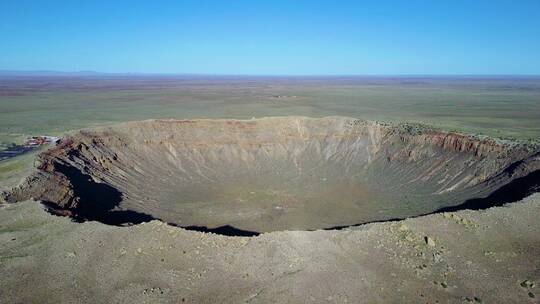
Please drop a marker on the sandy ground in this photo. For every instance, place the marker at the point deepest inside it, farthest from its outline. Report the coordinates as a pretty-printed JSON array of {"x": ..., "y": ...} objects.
[{"x": 490, "y": 256}]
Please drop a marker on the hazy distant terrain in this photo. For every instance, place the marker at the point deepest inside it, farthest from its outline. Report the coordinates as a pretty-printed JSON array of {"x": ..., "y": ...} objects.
[{"x": 502, "y": 107}]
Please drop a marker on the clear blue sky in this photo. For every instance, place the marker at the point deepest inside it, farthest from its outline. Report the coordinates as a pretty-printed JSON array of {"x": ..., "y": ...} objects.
[{"x": 272, "y": 36}]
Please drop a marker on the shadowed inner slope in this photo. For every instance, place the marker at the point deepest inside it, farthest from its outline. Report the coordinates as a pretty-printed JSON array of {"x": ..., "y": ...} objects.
[{"x": 273, "y": 174}]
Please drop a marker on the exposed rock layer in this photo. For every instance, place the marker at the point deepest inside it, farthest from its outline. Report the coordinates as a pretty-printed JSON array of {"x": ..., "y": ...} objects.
[{"x": 271, "y": 174}]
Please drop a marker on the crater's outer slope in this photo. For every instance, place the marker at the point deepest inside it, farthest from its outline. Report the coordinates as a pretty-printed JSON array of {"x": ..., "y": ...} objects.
[{"x": 270, "y": 174}]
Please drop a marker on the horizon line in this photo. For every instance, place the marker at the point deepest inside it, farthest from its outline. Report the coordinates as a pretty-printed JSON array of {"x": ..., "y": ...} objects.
[{"x": 4, "y": 72}]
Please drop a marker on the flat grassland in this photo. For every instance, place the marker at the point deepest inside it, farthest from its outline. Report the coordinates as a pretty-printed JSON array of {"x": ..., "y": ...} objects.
[{"x": 500, "y": 107}]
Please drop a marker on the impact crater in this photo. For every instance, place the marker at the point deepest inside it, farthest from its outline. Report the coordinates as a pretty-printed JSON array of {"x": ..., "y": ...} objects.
[{"x": 271, "y": 174}]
